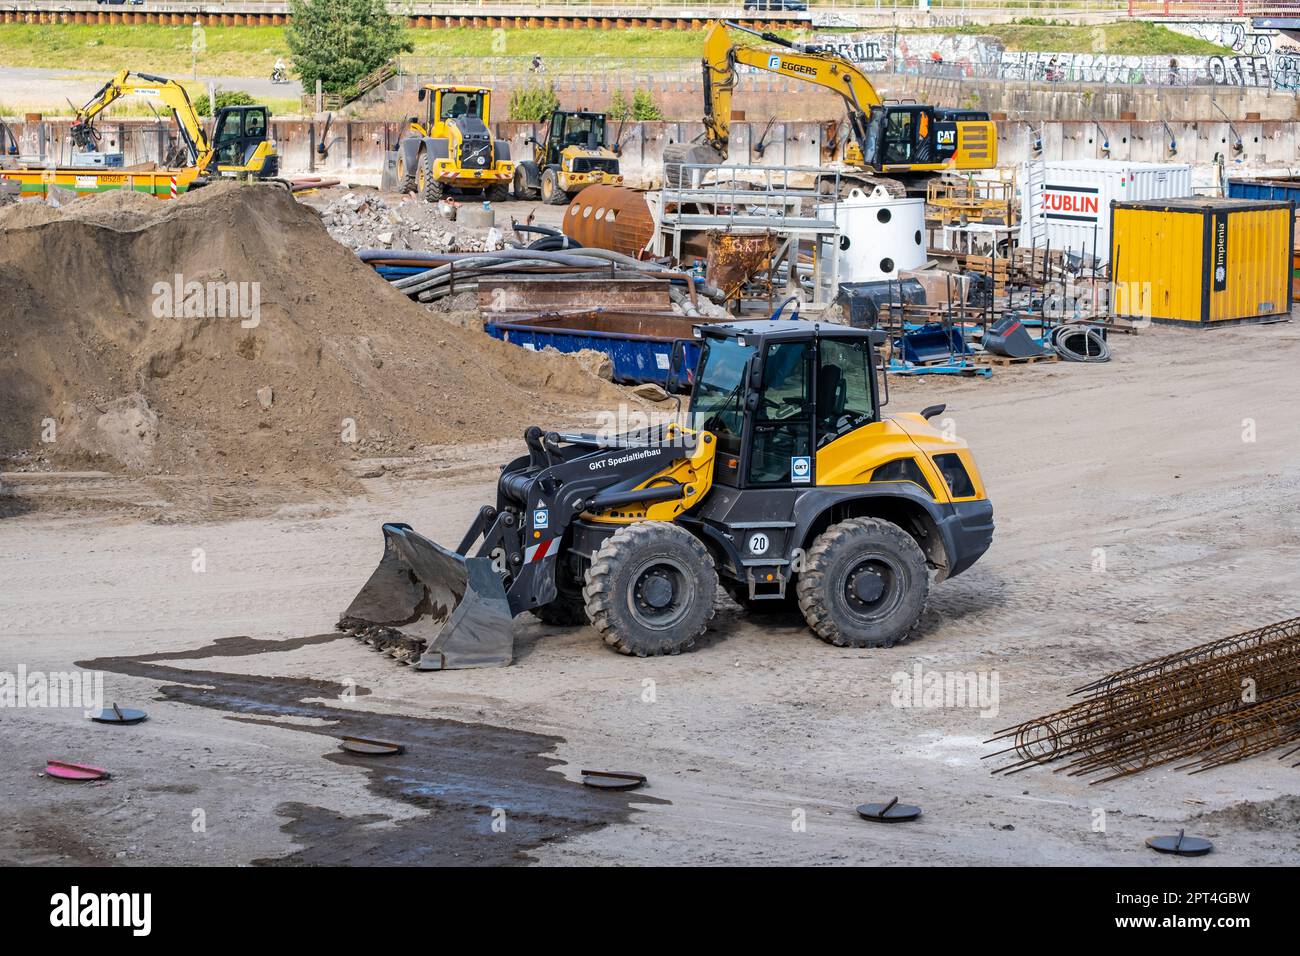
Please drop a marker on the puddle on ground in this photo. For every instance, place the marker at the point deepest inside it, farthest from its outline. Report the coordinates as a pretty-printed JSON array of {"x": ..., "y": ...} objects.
[{"x": 457, "y": 773}]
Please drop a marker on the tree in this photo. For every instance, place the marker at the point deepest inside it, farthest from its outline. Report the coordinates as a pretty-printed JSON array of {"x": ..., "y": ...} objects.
[
  {"x": 643, "y": 106},
  {"x": 619, "y": 108},
  {"x": 340, "y": 41},
  {"x": 224, "y": 98},
  {"x": 534, "y": 103}
]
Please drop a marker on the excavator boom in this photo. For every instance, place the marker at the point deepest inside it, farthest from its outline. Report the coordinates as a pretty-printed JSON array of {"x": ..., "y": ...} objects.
[{"x": 906, "y": 140}]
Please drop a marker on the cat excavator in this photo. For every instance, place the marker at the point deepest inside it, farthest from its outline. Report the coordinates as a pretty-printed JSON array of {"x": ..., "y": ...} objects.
[
  {"x": 786, "y": 484},
  {"x": 896, "y": 147}
]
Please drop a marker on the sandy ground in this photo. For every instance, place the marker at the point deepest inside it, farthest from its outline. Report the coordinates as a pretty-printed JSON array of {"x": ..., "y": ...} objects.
[{"x": 763, "y": 728}]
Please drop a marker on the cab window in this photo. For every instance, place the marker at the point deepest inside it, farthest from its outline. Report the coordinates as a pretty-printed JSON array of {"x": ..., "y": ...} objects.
[
  {"x": 456, "y": 105},
  {"x": 843, "y": 388}
]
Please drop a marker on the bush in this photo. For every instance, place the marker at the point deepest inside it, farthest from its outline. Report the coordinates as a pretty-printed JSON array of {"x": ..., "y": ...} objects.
[
  {"x": 202, "y": 105},
  {"x": 619, "y": 108},
  {"x": 533, "y": 104},
  {"x": 340, "y": 41},
  {"x": 643, "y": 106}
]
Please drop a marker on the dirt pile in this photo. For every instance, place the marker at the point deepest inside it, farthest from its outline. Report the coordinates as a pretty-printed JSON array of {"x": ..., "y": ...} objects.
[{"x": 226, "y": 333}]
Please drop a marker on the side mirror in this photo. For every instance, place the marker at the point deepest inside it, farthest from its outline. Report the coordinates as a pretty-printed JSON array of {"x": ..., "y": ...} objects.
[{"x": 422, "y": 94}]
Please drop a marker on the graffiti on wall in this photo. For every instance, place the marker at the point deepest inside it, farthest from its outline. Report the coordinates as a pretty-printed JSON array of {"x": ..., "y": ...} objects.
[{"x": 982, "y": 57}]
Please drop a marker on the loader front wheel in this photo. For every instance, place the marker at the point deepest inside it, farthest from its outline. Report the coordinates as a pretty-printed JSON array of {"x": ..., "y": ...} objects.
[
  {"x": 650, "y": 589},
  {"x": 406, "y": 175},
  {"x": 428, "y": 187},
  {"x": 552, "y": 194},
  {"x": 863, "y": 584},
  {"x": 569, "y": 608}
]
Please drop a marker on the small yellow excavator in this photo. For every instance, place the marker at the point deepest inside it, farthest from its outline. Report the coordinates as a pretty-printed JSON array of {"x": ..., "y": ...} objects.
[
  {"x": 895, "y": 146},
  {"x": 451, "y": 147},
  {"x": 240, "y": 145},
  {"x": 788, "y": 486}
]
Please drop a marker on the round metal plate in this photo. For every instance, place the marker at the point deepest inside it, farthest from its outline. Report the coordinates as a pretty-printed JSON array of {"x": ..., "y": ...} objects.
[
  {"x": 74, "y": 772},
  {"x": 612, "y": 779},
  {"x": 119, "y": 715},
  {"x": 892, "y": 812},
  {"x": 1180, "y": 845},
  {"x": 371, "y": 748}
]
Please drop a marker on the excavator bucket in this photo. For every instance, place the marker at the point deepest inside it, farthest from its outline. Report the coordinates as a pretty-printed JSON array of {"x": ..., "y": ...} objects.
[
  {"x": 433, "y": 606},
  {"x": 682, "y": 161}
]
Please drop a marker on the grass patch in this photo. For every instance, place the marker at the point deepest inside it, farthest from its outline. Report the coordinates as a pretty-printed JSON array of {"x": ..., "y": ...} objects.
[
  {"x": 251, "y": 51},
  {"x": 100, "y": 48}
]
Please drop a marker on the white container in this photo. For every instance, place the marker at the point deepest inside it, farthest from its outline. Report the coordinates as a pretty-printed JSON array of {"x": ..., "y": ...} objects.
[
  {"x": 879, "y": 237},
  {"x": 1077, "y": 198}
]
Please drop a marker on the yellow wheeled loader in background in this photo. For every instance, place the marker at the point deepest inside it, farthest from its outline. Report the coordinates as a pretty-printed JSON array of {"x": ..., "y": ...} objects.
[
  {"x": 789, "y": 487},
  {"x": 573, "y": 153},
  {"x": 450, "y": 147}
]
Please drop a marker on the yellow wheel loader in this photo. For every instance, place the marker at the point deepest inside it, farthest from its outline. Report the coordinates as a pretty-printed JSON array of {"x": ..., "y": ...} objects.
[
  {"x": 450, "y": 147},
  {"x": 789, "y": 487},
  {"x": 573, "y": 153},
  {"x": 896, "y": 146}
]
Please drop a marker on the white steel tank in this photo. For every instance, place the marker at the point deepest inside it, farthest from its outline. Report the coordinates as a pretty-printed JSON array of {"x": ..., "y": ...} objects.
[
  {"x": 879, "y": 235},
  {"x": 1077, "y": 197}
]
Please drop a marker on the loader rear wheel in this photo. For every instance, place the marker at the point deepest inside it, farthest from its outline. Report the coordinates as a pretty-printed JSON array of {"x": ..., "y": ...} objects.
[
  {"x": 863, "y": 584},
  {"x": 650, "y": 589},
  {"x": 552, "y": 194}
]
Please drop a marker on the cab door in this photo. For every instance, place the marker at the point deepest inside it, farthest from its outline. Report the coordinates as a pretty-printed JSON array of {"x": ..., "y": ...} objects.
[{"x": 781, "y": 421}]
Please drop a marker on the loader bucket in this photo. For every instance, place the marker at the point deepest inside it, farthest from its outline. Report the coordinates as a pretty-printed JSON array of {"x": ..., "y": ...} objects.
[{"x": 426, "y": 602}]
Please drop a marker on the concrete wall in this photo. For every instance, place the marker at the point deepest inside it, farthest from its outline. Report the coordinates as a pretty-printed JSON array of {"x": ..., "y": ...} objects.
[{"x": 355, "y": 149}]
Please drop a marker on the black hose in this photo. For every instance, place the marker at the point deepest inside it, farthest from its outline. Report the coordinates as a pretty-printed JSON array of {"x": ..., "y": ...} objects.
[
  {"x": 554, "y": 243},
  {"x": 533, "y": 227},
  {"x": 1080, "y": 343}
]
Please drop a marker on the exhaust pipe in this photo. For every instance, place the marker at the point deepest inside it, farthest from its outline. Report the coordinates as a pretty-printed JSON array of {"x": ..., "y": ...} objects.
[{"x": 426, "y": 604}]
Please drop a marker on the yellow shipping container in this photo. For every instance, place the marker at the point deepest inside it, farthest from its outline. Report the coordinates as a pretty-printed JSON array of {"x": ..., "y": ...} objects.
[{"x": 1202, "y": 261}]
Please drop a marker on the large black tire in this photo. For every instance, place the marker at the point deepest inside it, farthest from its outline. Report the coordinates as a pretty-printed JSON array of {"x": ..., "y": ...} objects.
[
  {"x": 497, "y": 192},
  {"x": 569, "y": 608},
  {"x": 429, "y": 189},
  {"x": 522, "y": 190},
  {"x": 864, "y": 583},
  {"x": 552, "y": 194},
  {"x": 406, "y": 175},
  {"x": 650, "y": 589}
]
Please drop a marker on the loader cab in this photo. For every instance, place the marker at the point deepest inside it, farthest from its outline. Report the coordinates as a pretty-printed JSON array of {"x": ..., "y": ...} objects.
[
  {"x": 446, "y": 104},
  {"x": 775, "y": 392},
  {"x": 581, "y": 131}
]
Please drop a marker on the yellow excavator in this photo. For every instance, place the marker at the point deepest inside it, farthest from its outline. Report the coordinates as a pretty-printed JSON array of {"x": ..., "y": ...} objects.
[
  {"x": 240, "y": 145},
  {"x": 895, "y": 146}
]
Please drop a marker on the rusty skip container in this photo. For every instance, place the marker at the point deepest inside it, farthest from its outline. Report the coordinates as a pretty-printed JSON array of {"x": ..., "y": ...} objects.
[{"x": 1201, "y": 261}]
